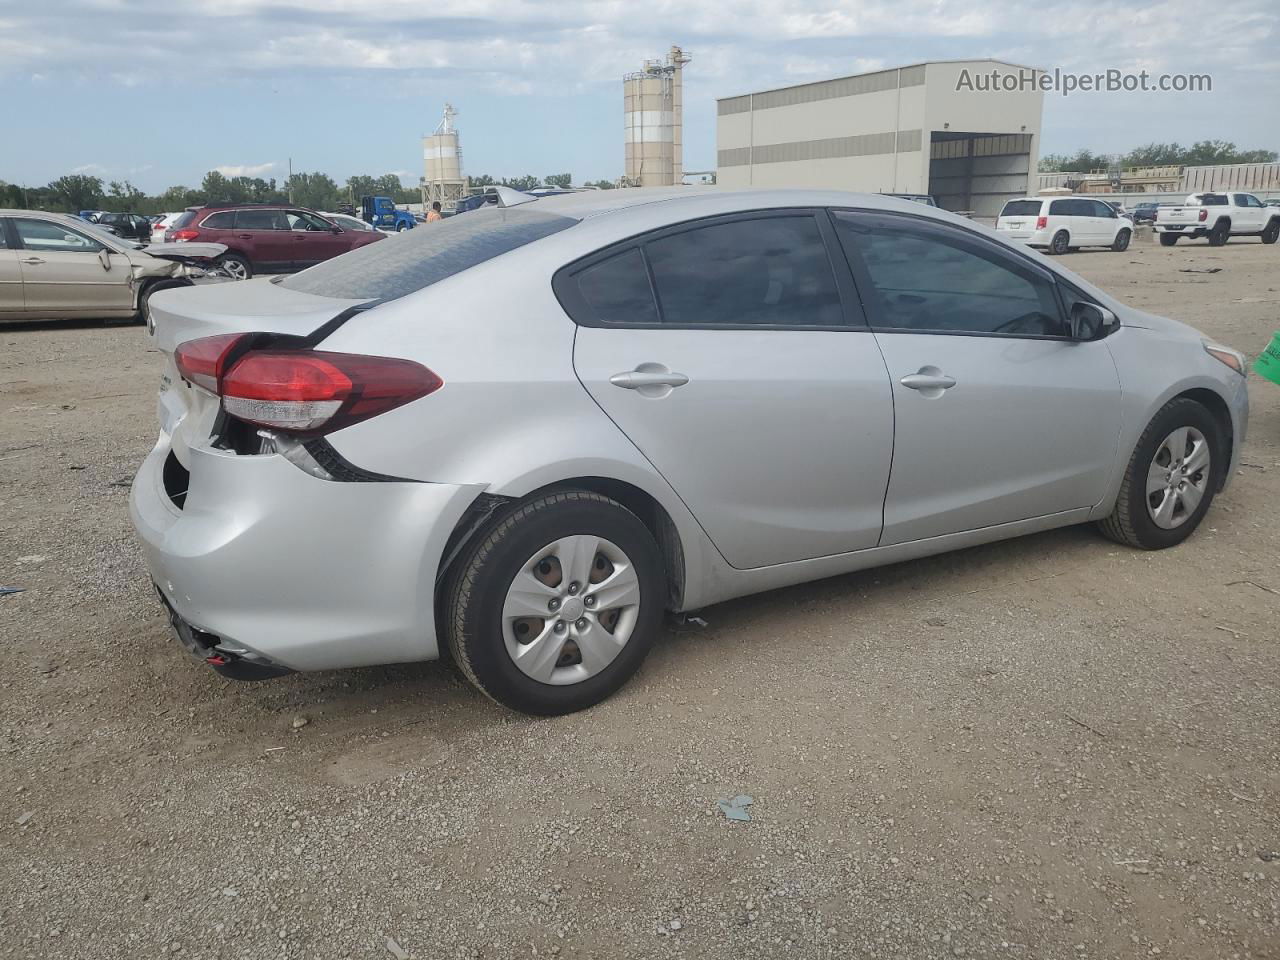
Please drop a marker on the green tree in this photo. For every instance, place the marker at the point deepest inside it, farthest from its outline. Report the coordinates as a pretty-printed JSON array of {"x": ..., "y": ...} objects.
[
  {"x": 314, "y": 190},
  {"x": 1205, "y": 152},
  {"x": 562, "y": 180},
  {"x": 602, "y": 184},
  {"x": 123, "y": 197},
  {"x": 484, "y": 180},
  {"x": 76, "y": 192},
  {"x": 527, "y": 182}
]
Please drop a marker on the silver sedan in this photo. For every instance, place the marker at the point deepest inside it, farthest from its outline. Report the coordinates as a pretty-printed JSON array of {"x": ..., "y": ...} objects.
[{"x": 527, "y": 434}]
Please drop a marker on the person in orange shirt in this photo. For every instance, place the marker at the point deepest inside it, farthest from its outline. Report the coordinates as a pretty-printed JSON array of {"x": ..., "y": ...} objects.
[{"x": 434, "y": 214}]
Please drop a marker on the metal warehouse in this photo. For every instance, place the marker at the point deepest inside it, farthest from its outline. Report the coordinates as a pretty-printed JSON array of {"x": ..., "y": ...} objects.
[{"x": 925, "y": 128}]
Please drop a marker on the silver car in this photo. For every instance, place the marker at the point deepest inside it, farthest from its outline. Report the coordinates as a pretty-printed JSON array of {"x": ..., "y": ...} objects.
[
  {"x": 526, "y": 434},
  {"x": 54, "y": 266}
]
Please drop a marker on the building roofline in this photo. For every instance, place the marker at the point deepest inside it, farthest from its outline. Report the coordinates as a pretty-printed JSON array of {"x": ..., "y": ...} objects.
[{"x": 871, "y": 73}]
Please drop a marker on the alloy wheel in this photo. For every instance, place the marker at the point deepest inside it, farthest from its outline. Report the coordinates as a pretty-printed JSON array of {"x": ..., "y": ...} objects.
[
  {"x": 1178, "y": 477},
  {"x": 570, "y": 609}
]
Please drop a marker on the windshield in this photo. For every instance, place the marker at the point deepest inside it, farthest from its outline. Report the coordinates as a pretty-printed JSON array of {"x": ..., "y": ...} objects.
[{"x": 418, "y": 258}]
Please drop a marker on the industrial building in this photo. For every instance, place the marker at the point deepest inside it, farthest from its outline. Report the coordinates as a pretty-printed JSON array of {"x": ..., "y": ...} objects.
[
  {"x": 914, "y": 129},
  {"x": 653, "y": 120},
  {"x": 442, "y": 159}
]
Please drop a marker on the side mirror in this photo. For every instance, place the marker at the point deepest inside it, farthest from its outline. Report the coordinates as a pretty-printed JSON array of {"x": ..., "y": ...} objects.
[
  {"x": 104, "y": 258},
  {"x": 335, "y": 229},
  {"x": 1091, "y": 322}
]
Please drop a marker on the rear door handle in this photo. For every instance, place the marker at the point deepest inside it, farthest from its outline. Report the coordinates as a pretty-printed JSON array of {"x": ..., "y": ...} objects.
[
  {"x": 635, "y": 379},
  {"x": 33, "y": 261},
  {"x": 928, "y": 379},
  {"x": 245, "y": 236}
]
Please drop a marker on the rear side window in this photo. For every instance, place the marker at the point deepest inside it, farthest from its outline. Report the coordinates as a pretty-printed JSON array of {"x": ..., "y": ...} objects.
[
  {"x": 1061, "y": 208},
  {"x": 1022, "y": 208},
  {"x": 219, "y": 221},
  {"x": 434, "y": 252},
  {"x": 617, "y": 290},
  {"x": 261, "y": 220},
  {"x": 771, "y": 271},
  {"x": 183, "y": 219}
]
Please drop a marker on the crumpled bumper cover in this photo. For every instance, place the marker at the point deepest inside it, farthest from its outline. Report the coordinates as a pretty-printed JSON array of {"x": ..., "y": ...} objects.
[{"x": 309, "y": 574}]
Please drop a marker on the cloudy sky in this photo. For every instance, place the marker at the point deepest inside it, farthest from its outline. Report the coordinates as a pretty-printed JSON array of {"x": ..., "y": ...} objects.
[{"x": 159, "y": 91}]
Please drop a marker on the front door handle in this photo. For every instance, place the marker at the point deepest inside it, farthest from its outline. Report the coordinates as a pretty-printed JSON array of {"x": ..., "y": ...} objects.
[
  {"x": 245, "y": 236},
  {"x": 928, "y": 381},
  {"x": 33, "y": 261},
  {"x": 638, "y": 378}
]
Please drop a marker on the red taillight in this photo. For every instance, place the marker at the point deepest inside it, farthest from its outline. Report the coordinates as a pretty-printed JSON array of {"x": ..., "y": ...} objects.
[
  {"x": 180, "y": 235},
  {"x": 1204, "y": 214},
  {"x": 302, "y": 391},
  {"x": 1042, "y": 222},
  {"x": 203, "y": 361}
]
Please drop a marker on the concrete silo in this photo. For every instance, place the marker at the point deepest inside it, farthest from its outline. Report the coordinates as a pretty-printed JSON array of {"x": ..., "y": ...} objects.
[
  {"x": 442, "y": 158},
  {"x": 652, "y": 104}
]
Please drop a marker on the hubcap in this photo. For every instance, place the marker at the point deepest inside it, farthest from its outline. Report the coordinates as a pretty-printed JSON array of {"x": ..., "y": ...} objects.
[
  {"x": 235, "y": 269},
  {"x": 570, "y": 609},
  {"x": 1178, "y": 477}
]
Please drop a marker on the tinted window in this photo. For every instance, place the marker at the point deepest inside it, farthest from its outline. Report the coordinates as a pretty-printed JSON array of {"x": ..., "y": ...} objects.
[
  {"x": 4, "y": 242},
  {"x": 261, "y": 220},
  {"x": 1101, "y": 209},
  {"x": 182, "y": 219},
  {"x": 53, "y": 237},
  {"x": 1213, "y": 200},
  {"x": 298, "y": 220},
  {"x": 1023, "y": 208},
  {"x": 419, "y": 258},
  {"x": 772, "y": 271},
  {"x": 218, "y": 221},
  {"x": 937, "y": 279},
  {"x": 617, "y": 290}
]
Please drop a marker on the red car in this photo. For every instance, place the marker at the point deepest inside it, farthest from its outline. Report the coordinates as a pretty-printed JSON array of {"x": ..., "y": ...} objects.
[{"x": 262, "y": 238}]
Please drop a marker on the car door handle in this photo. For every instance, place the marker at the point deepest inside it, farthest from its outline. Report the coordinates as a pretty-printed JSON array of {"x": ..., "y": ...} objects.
[
  {"x": 33, "y": 261},
  {"x": 245, "y": 236},
  {"x": 928, "y": 381},
  {"x": 635, "y": 379}
]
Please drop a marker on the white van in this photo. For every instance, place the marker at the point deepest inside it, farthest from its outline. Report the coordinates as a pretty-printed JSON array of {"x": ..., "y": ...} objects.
[{"x": 1059, "y": 224}]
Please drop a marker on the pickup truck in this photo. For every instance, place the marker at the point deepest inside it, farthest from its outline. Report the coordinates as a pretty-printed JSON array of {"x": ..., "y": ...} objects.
[{"x": 1218, "y": 216}]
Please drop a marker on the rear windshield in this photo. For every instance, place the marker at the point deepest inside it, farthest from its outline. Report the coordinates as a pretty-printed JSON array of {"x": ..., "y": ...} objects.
[
  {"x": 1211, "y": 200},
  {"x": 1021, "y": 208},
  {"x": 425, "y": 255}
]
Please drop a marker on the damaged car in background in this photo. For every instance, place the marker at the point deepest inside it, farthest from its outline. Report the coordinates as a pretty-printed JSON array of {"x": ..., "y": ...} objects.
[{"x": 55, "y": 267}]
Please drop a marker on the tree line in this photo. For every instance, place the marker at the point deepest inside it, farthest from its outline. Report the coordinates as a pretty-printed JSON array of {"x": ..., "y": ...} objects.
[
  {"x": 1201, "y": 153},
  {"x": 318, "y": 191}
]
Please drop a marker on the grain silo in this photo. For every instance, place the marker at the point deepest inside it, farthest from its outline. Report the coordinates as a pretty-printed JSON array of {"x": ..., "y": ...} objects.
[
  {"x": 652, "y": 119},
  {"x": 442, "y": 156}
]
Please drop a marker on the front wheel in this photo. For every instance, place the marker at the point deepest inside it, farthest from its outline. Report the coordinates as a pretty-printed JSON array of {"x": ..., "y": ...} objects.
[
  {"x": 557, "y": 605},
  {"x": 1121, "y": 243},
  {"x": 1270, "y": 234},
  {"x": 1171, "y": 478},
  {"x": 1168, "y": 239},
  {"x": 402, "y": 227}
]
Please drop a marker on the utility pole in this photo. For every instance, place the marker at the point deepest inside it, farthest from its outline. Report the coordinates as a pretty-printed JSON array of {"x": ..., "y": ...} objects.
[{"x": 291, "y": 179}]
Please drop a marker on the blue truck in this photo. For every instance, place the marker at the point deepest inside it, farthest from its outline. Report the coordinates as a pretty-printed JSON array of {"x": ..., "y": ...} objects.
[{"x": 382, "y": 214}]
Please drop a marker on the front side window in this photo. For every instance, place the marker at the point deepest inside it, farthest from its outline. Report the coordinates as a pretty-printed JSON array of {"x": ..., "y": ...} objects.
[
  {"x": 935, "y": 279},
  {"x": 769, "y": 271},
  {"x": 51, "y": 237},
  {"x": 261, "y": 220},
  {"x": 304, "y": 221},
  {"x": 1104, "y": 210}
]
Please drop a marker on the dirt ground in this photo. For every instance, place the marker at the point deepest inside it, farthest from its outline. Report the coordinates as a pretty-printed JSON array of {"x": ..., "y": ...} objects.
[{"x": 1047, "y": 748}]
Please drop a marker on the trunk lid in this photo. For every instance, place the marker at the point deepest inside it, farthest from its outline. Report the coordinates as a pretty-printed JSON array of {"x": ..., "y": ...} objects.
[{"x": 187, "y": 413}]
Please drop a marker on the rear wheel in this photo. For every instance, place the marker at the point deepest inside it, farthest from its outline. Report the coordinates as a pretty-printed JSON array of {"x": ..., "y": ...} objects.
[
  {"x": 1121, "y": 243},
  {"x": 235, "y": 266},
  {"x": 1219, "y": 234},
  {"x": 1171, "y": 478},
  {"x": 144, "y": 301},
  {"x": 557, "y": 605},
  {"x": 1060, "y": 242},
  {"x": 1270, "y": 234},
  {"x": 1168, "y": 239}
]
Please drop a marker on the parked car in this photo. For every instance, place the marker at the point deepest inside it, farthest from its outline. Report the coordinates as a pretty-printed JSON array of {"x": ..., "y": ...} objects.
[
  {"x": 1218, "y": 216},
  {"x": 348, "y": 222},
  {"x": 697, "y": 396},
  {"x": 161, "y": 224},
  {"x": 382, "y": 214},
  {"x": 267, "y": 238},
  {"x": 1059, "y": 224},
  {"x": 130, "y": 226},
  {"x": 54, "y": 266},
  {"x": 1272, "y": 202},
  {"x": 924, "y": 198},
  {"x": 1145, "y": 212}
]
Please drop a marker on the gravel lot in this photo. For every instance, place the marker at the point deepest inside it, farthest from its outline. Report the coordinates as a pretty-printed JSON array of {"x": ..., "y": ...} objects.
[{"x": 1047, "y": 748}]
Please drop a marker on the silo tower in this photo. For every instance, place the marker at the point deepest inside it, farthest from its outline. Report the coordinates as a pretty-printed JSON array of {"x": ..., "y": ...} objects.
[
  {"x": 653, "y": 106},
  {"x": 442, "y": 157}
]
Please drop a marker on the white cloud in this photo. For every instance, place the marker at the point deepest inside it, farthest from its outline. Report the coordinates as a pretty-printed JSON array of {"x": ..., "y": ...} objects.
[
  {"x": 245, "y": 169},
  {"x": 91, "y": 169}
]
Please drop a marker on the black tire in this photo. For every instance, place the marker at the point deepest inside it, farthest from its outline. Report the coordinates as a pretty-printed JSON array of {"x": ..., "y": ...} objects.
[
  {"x": 402, "y": 227},
  {"x": 1272, "y": 231},
  {"x": 1121, "y": 242},
  {"x": 238, "y": 267},
  {"x": 1060, "y": 242},
  {"x": 477, "y": 590},
  {"x": 151, "y": 289},
  {"x": 1220, "y": 233},
  {"x": 1131, "y": 523},
  {"x": 1168, "y": 239}
]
